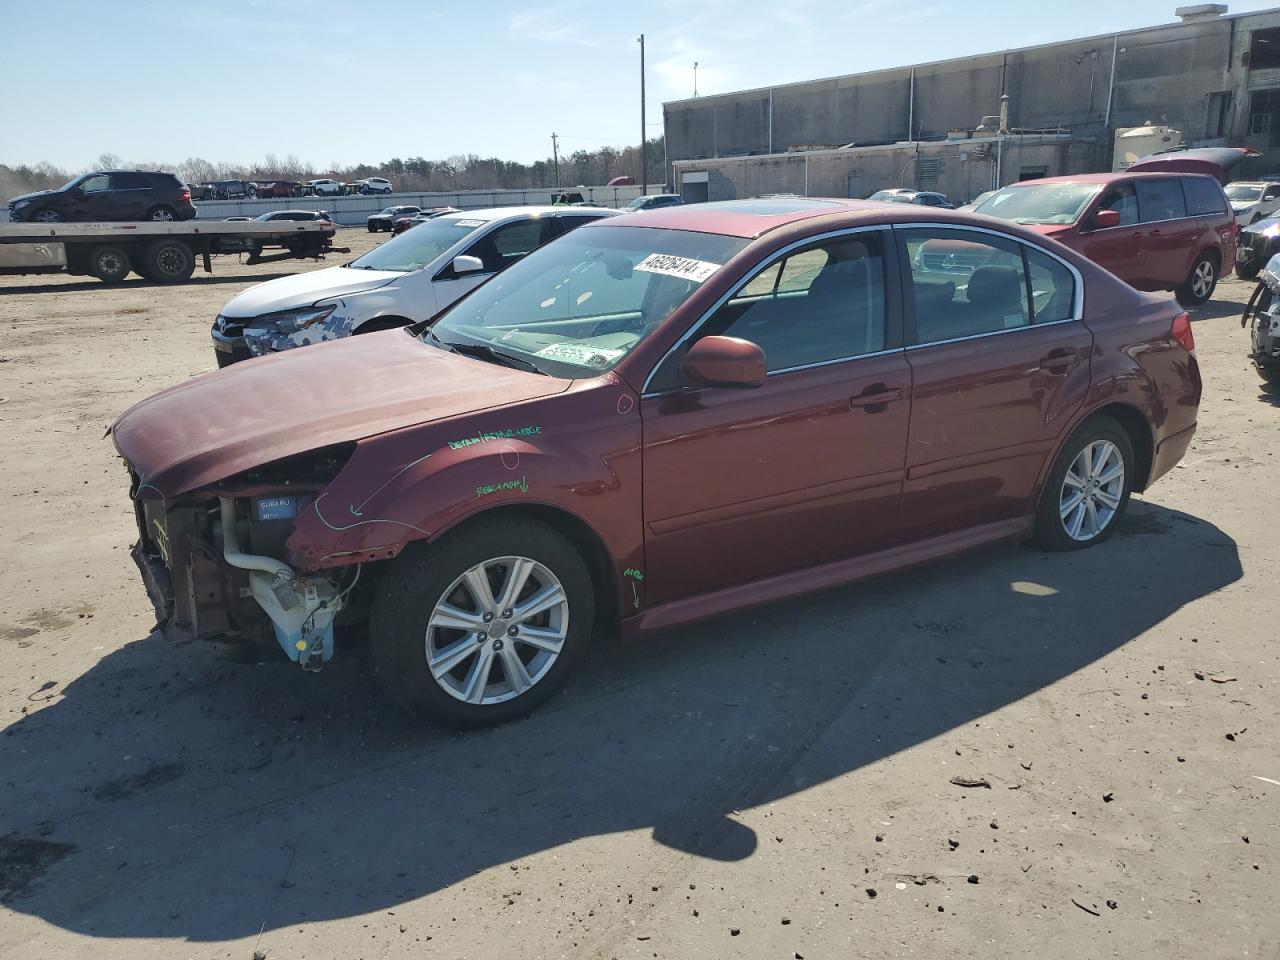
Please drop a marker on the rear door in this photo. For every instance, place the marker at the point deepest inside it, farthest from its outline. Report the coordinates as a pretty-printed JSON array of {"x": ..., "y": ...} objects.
[
  {"x": 999, "y": 360},
  {"x": 1172, "y": 236}
]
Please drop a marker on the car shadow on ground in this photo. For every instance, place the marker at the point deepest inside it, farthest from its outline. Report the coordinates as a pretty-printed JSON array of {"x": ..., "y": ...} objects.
[
  {"x": 168, "y": 793},
  {"x": 1215, "y": 310},
  {"x": 138, "y": 283}
]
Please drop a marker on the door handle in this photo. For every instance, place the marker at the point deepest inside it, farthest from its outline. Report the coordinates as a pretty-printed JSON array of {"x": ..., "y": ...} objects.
[
  {"x": 1058, "y": 361},
  {"x": 875, "y": 398}
]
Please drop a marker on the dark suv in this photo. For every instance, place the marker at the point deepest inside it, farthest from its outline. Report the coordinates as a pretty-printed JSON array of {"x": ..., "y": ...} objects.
[{"x": 108, "y": 195}]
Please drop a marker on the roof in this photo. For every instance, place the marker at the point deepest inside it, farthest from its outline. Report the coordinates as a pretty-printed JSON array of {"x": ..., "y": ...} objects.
[
  {"x": 741, "y": 218},
  {"x": 1099, "y": 178},
  {"x": 498, "y": 213}
]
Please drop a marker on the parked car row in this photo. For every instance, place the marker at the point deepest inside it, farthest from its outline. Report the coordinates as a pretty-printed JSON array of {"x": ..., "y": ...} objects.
[
  {"x": 402, "y": 223},
  {"x": 621, "y": 423}
]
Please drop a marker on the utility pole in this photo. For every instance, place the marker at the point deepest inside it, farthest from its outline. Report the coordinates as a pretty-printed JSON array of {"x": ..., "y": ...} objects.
[
  {"x": 555, "y": 152},
  {"x": 695, "y": 79},
  {"x": 644, "y": 154}
]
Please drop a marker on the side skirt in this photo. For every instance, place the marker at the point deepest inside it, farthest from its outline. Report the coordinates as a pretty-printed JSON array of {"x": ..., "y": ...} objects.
[{"x": 795, "y": 583}]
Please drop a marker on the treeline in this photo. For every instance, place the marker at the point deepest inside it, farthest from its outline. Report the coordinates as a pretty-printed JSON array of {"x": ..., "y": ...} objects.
[{"x": 460, "y": 172}]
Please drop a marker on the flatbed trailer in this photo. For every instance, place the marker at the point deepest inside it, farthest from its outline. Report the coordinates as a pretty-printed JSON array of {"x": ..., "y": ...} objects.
[{"x": 163, "y": 252}]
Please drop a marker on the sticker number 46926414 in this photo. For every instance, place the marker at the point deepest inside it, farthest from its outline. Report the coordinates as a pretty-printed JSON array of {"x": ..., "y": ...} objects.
[{"x": 685, "y": 268}]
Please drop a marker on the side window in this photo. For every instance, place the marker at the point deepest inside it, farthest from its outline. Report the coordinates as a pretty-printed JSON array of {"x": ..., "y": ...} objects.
[
  {"x": 95, "y": 184},
  {"x": 819, "y": 304},
  {"x": 1161, "y": 199},
  {"x": 1124, "y": 200},
  {"x": 506, "y": 245},
  {"x": 128, "y": 181},
  {"x": 1271, "y": 193},
  {"x": 569, "y": 223},
  {"x": 1205, "y": 197},
  {"x": 965, "y": 284},
  {"x": 1053, "y": 287}
]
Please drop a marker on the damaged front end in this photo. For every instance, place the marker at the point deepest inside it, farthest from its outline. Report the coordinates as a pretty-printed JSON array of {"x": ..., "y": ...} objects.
[
  {"x": 1262, "y": 317},
  {"x": 216, "y": 566}
]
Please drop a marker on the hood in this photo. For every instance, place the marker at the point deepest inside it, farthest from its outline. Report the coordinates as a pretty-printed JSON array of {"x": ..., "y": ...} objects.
[
  {"x": 1054, "y": 230},
  {"x": 1269, "y": 227},
  {"x": 32, "y": 196},
  {"x": 304, "y": 289},
  {"x": 1215, "y": 161},
  {"x": 220, "y": 424},
  {"x": 1238, "y": 205}
]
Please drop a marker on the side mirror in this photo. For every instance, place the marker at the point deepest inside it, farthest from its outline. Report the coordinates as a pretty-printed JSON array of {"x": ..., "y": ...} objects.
[
  {"x": 464, "y": 264},
  {"x": 725, "y": 362},
  {"x": 1106, "y": 218}
]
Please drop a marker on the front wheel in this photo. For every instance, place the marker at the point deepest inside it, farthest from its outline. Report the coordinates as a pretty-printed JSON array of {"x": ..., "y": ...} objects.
[
  {"x": 1088, "y": 488},
  {"x": 1270, "y": 376},
  {"x": 485, "y": 625},
  {"x": 1200, "y": 282},
  {"x": 1247, "y": 271},
  {"x": 48, "y": 216}
]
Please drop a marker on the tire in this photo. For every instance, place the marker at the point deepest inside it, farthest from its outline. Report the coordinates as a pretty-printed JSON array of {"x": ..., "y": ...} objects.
[
  {"x": 109, "y": 264},
  {"x": 1200, "y": 283},
  {"x": 162, "y": 214},
  {"x": 1247, "y": 273},
  {"x": 372, "y": 228},
  {"x": 169, "y": 261},
  {"x": 47, "y": 216},
  {"x": 402, "y": 631},
  {"x": 1271, "y": 377},
  {"x": 1097, "y": 437}
]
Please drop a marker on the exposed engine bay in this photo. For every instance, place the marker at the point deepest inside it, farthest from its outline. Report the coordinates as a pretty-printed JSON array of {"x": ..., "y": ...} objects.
[{"x": 1262, "y": 318}]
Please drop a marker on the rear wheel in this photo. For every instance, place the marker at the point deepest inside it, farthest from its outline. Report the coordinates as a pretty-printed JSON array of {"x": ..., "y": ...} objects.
[
  {"x": 1200, "y": 282},
  {"x": 1088, "y": 488},
  {"x": 109, "y": 264},
  {"x": 485, "y": 625},
  {"x": 169, "y": 261},
  {"x": 161, "y": 214}
]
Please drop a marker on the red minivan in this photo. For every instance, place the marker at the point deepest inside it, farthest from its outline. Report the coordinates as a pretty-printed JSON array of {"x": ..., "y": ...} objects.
[{"x": 1158, "y": 231}]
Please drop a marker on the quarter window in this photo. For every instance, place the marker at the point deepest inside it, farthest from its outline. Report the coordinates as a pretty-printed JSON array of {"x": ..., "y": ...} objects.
[
  {"x": 965, "y": 284},
  {"x": 819, "y": 304},
  {"x": 1053, "y": 287},
  {"x": 1161, "y": 199},
  {"x": 1205, "y": 197}
]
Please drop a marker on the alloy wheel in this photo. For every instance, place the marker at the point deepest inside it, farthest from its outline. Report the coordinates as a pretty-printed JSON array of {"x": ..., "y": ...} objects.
[
  {"x": 497, "y": 630},
  {"x": 1202, "y": 279},
  {"x": 1092, "y": 490},
  {"x": 48, "y": 216},
  {"x": 162, "y": 215}
]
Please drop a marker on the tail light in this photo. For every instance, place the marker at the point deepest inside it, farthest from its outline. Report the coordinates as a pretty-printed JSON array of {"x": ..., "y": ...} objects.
[
  {"x": 186, "y": 196},
  {"x": 1182, "y": 332}
]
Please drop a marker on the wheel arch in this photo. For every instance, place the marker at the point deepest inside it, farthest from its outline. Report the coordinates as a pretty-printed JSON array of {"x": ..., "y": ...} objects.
[
  {"x": 388, "y": 321},
  {"x": 1138, "y": 430}
]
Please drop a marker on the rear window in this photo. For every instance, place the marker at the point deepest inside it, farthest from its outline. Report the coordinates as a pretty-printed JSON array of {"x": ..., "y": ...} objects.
[{"x": 1203, "y": 197}]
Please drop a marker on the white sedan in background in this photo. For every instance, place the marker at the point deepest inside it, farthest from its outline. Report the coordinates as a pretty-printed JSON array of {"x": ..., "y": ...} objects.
[{"x": 406, "y": 279}]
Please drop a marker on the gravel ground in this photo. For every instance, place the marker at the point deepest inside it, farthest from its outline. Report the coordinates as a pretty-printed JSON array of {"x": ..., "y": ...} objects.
[{"x": 775, "y": 784}]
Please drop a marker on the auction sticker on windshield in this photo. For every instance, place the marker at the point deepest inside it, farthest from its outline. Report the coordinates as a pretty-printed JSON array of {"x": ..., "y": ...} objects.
[
  {"x": 470, "y": 223},
  {"x": 683, "y": 267}
]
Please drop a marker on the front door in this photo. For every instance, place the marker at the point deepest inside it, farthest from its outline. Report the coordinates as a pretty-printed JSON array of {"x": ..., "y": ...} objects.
[
  {"x": 744, "y": 483},
  {"x": 999, "y": 362},
  {"x": 1121, "y": 249},
  {"x": 97, "y": 202},
  {"x": 497, "y": 249}
]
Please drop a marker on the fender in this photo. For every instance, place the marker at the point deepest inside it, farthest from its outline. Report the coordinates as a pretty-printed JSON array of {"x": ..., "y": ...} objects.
[{"x": 578, "y": 455}]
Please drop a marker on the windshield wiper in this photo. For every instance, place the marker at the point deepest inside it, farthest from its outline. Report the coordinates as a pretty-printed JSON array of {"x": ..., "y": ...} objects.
[{"x": 482, "y": 351}]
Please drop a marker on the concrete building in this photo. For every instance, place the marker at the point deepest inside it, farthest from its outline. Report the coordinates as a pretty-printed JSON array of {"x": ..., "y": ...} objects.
[{"x": 1212, "y": 76}]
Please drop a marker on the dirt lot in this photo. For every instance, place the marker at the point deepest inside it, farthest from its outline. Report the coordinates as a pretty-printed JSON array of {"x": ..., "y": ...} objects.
[{"x": 775, "y": 784}]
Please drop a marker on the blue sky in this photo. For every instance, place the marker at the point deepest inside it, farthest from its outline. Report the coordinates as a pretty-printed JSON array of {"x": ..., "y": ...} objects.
[{"x": 233, "y": 80}]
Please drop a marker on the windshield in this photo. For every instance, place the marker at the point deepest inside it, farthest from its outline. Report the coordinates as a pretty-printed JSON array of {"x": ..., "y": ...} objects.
[
  {"x": 1244, "y": 191},
  {"x": 882, "y": 195},
  {"x": 639, "y": 202},
  {"x": 414, "y": 249},
  {"x": 1043, "y": 203},
  {"x": 73, "y": 181},
  {"x": 577, "y": 306}
]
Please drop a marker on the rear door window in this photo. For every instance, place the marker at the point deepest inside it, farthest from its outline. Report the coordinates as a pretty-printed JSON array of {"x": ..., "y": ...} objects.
[
  {"x": 1161, "y": 199},
  {"x": 1205, "y": 197},
  {"x": 965, "y": 284}
]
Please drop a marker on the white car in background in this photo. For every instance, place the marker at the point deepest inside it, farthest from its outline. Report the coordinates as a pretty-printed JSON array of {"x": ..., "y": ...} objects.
[
  {"x": 324, "y": 187},
  {"x": 1253, "y": 200},
  {"x": 373, "y": 185},
  {"x": 409, "y": 278}
]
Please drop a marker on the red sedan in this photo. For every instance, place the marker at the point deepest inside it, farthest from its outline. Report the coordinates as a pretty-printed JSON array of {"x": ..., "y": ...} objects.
[{"x": 652, "y": 420}]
